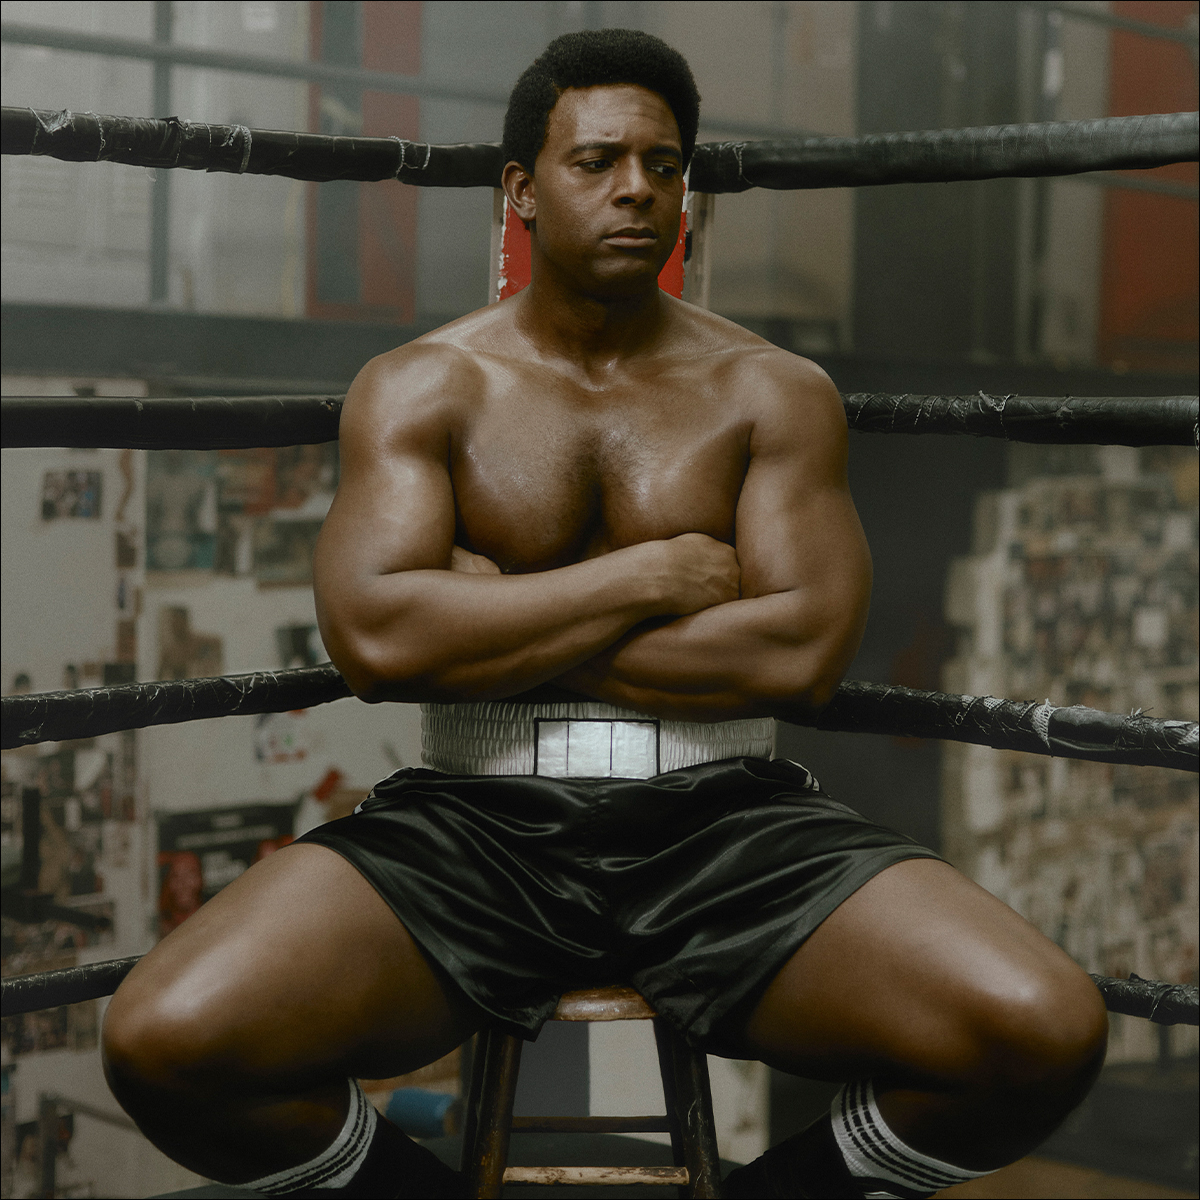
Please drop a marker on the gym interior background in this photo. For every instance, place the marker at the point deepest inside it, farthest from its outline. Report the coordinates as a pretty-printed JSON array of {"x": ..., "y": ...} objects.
[{"x": 1067, "y": 572}]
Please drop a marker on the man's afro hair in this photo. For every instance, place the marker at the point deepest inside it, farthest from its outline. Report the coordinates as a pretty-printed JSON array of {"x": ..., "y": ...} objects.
[{"x": 593, "y": 58}]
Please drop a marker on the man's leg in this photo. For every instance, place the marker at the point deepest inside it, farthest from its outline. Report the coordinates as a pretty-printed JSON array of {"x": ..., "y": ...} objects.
[
  {"x": 977, "y": 1033},
  {"x": 232, "y": 1042}
]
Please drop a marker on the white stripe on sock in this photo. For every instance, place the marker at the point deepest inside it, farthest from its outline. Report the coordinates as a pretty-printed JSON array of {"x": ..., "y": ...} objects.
[
  {"x": 875, "y": 1149},
  {"x": 872, "y": 1151},
  {"x": 336, "y": 1165}
]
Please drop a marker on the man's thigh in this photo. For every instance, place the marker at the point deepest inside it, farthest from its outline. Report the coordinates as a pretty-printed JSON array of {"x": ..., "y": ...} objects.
[
  {"x": 916, "y": 976},
  {"x": 297, "y": 971}
]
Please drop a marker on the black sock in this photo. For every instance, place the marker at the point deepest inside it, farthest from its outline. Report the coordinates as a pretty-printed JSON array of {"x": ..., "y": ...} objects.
[
  {"x": 396, "y": 1166},
  {"x": 850, "y": 1153},
  {"x": 370, "y": 1159},
  {"x": 809, "y": 1164}
]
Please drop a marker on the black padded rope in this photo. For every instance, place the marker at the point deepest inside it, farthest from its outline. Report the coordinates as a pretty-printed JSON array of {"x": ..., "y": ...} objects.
[
  {"x": 1075, "y": 732},
  {"x": 1067, "y": 732},
  {"x": 235, "y": 149},
  {"x": 949, "y": 155},
  {"x": 225, "y": 422},
  {"x": 923, "y": 156},
  {"x": 1163, "y": 1003},
  {"x": 174, "y": 423},
  {"x": 71, "y": 985},
  {"x": 1098, "y": 420},
  {"x": 88, "y": 712}
]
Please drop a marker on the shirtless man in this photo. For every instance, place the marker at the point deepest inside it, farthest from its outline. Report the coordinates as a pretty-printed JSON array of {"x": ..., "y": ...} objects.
[{"x": 615, "y": 506}]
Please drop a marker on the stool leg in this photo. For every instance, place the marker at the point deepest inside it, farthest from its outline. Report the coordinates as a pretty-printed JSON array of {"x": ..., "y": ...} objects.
[
  {"x": 696, "y": 1116},
  {"x": 470, "y": 1133},
  {"x": 502, "y": 1061},
  {"x": 664, "y": 1040}
]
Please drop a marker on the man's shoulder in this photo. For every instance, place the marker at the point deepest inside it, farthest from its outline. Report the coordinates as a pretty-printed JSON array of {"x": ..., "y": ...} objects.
[
  {"x": 448, "y": 353},
  {"x": 749, "y": 363},
  {"x": 430, "y": 377}
]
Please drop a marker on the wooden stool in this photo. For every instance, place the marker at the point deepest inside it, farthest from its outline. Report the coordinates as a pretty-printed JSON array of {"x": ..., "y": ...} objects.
[{"x": 489, "y": 1121}]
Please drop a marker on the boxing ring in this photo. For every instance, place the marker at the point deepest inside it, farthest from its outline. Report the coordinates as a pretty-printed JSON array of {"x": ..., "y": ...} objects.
[{"x": 203, "y": 423}]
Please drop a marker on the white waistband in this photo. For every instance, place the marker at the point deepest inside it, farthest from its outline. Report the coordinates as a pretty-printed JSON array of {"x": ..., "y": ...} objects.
[{"x": 503, "y": 739}]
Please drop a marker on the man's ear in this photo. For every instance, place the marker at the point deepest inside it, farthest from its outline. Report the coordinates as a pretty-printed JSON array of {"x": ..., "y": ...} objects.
[{"x": 519, "y": 187}]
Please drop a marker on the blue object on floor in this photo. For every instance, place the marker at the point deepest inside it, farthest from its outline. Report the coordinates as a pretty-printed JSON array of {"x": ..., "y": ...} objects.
[{"x": 419, "y": 1112}]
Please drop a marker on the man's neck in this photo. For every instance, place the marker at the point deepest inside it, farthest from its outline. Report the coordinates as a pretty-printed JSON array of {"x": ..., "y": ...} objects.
[{"x": 594, "y": 333}]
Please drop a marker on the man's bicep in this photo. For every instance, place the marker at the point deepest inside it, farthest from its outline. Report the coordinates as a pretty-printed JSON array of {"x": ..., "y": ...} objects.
[
  {"x": 394, "y": 507},
  {"x": 797, "y": 528}
]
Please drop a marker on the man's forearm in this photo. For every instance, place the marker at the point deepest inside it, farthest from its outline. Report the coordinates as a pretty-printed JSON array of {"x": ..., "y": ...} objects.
[
  {"x": 422, "y": 635},
  {"x": 743, "y": 659},
  {"x": 427, "y": 634}
]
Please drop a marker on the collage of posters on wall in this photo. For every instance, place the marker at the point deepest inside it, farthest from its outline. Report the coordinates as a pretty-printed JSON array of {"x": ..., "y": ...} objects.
[
  {"x": 84, "y": 801},
  {"x": 238, "y": 512}
]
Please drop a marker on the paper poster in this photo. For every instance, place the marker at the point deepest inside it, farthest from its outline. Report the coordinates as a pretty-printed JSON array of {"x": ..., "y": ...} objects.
[
  {"x": 181, "y": 509},
  {"x": 182, "y": 652},
  {"x": 71, "y": 494},
  {"x": 54, "y": 902},
  {"x": 77, "y": 796},
  {"x": 282, "y": 737},
  {"x": 299, "y": 646},
  {"x": 52, "y": 944},
  {"x": 283, "y": 551},
  {"x": 68, "y": 1027},
  {"x": 67, "y": 849},
  {"x": 200, "y": 852},
  {"x": 239, "y": 512}
]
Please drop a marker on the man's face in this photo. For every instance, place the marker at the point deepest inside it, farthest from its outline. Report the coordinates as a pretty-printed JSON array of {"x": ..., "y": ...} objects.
[{"x": 607, "y": 190}]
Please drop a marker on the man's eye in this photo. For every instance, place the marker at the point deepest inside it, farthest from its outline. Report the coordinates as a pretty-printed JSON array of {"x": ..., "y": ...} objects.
[
  {"x": 666, "y": 170},
  {"x": 596, "y": 164}
]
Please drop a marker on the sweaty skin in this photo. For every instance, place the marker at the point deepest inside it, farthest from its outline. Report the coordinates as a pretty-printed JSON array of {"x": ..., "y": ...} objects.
[
  {"x": 594, "y": 487},
  {"x": 664, "y": 492}
]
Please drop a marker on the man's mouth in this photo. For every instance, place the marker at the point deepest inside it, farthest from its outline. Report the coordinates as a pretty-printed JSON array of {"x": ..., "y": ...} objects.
[{"x": 637, "y": 237}]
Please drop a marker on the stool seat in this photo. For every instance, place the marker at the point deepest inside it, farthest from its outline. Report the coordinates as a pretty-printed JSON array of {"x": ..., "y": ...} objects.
[
  {"x": 603, "y": 1004},
  {"x": 489, "y": 1121}
]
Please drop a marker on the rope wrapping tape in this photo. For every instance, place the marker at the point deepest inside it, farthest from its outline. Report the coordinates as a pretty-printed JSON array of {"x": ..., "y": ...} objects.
[
  {"x": 228, "y": 422},
  {"x": 1108, "y": 420},
  {"x": 172, "y": 423},
  {"x": 197, "y": 146},
  {"x": 1162, "y": 1003},
  {"x": 57, "y": 716},
  {"x": 949, "y": 155},
  {"x": 925, "y": 156},
  {"x": 72, "y": 985},
  {"x": 1075, "y": 732}
]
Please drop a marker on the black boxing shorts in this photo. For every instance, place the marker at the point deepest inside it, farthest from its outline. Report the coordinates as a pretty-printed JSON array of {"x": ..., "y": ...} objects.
[{"x": 694, "y": 886}]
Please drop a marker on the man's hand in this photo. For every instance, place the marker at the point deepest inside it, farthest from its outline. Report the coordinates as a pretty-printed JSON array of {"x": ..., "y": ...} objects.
[
  {"x": 700, "y": 572},
  {"x": 472, "y": 564}
]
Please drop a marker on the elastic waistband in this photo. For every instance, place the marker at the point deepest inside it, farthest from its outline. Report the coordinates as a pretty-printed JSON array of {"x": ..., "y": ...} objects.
[{"x": 498, "y": 738}]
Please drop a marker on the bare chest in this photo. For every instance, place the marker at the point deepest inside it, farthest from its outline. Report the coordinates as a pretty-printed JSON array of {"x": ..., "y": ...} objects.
[{"x": 540, "y": 482}]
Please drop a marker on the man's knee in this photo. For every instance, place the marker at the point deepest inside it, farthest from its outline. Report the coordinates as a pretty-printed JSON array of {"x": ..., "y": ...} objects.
[
  {"x": 1044, "y": 1042},
  {"x": 152, "y": 1047}
]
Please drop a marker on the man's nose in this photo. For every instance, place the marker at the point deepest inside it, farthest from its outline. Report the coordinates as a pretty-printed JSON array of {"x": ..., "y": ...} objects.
[{"x": 633, "y": 184}]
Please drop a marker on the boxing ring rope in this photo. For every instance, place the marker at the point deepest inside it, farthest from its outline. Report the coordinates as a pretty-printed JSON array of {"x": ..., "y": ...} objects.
[
  {"x": 1066, "y": 732},
  {"x": 249, "y": 422},
  {"x": 923, "y": 156},
  {"x": 1059, "y": 148}
]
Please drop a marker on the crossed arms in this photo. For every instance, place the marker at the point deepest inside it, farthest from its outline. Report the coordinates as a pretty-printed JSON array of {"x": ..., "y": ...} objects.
[{"x": 684, "y": 628}]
